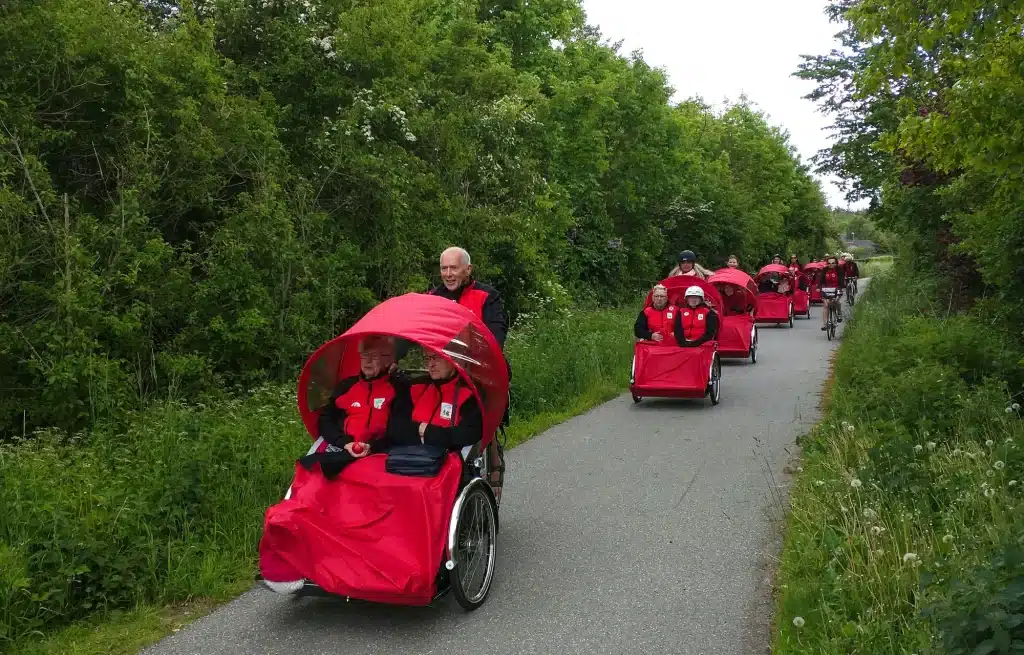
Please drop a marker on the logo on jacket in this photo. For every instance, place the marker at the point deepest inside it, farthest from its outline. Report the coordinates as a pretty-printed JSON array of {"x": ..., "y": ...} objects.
[
  {"x": 356, "y": 404},
  {"x": 700, "y": 317},
  {"x": 446, "y": 411},
  {"x": 378, "y": 403}
]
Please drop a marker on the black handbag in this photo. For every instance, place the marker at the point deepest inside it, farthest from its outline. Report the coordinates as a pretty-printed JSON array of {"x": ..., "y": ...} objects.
[{"x": 421, "y": 460}]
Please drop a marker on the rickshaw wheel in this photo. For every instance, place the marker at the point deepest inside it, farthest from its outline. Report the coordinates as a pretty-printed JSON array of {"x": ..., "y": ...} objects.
[
  {"x": 716, "y": 381},
  {"x": 753, "y": 353},
  {"x": 474, "y": 556},
  {"x": 636, "y": 398},
  {"x": 790, "y": 315}
]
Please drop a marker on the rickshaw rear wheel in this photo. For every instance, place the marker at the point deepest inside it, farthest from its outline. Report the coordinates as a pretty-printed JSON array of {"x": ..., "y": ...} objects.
[
  {"x": 715, "y": 390},
  {"x": 636, "y": 398},
  {"x": 474, "y": 556}
]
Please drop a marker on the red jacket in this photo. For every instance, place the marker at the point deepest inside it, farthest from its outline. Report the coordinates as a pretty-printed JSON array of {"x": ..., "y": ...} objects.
[
  {"x": 449, "y": 409},
  {"x": 831, "y": 278},
  {"x": 653, "y": 320},
  {"x": 695, "y": 326},
  {"x": 483, "y": 301},
  {"x": 358, "y": 410}
]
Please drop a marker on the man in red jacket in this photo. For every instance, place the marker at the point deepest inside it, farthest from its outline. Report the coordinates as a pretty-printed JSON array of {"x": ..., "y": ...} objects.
[
  {"x": 831, "y": 281},
  {"x": 458, "y": 285},
  {"x": 696, "y": 322},
  {"x": 655, "y": 323}
]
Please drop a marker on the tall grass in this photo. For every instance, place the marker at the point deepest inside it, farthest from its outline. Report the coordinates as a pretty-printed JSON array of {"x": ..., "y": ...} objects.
[
  {"x": 905, "y": 529},
  {"x": 171, "y": 507},
  {"x": 875, "y": 265}
]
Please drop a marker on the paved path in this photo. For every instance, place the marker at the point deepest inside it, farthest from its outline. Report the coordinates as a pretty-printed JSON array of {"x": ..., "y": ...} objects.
[{"x": 643, "y": 529}]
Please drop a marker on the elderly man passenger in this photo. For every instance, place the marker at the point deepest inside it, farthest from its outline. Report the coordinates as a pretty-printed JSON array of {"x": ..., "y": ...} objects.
[{"x": 655, "y": 323}]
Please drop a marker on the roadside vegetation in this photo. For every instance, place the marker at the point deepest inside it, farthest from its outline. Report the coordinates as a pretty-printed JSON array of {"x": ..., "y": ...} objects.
[
  {"x": 906, "y": 533},
  {"x": 874, "y": 266}
]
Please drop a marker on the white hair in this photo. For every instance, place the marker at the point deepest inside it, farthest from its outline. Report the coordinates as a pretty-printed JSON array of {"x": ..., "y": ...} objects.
[
  {"x": 662, "y": 287},
  {"x": 463, "y": 255}
]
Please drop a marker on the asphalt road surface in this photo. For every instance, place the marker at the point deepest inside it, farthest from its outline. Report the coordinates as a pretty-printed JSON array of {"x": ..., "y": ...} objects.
[{"x": 644, "y": 529}]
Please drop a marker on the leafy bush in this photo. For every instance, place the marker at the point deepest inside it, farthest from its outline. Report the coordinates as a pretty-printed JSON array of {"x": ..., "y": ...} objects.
[{"x": 911, "y": 487}]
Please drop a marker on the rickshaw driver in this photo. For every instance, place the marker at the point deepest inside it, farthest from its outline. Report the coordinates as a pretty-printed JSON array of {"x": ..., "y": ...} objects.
[
  {"x": 831, "y": 282},
  {"x": 688, "y": 266},
  {"x": 655, "y": 323},
  {"x": 458, "y": 285},
  {"x": 696, "y": 323}
]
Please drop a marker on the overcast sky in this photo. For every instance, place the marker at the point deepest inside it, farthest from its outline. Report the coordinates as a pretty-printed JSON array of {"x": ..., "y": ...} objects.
[{"x": 719, "y": 49}]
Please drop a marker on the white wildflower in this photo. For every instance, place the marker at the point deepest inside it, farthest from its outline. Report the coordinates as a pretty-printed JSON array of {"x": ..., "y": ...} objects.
[
  {"x": 999, "y": 466},
  {"x": 956, "y": 451},
  {"x": 990, "y": 443},
  {"x": 990, "y": 473},
  {"x": 799, "y": 469},
  {"x": 855, "y": 483},
  {"x": 990, "y": 492},
  {"x": 798, "y": 621},
  {"x": 909, "y": 557},
  {"x": 877, "y": 530},
  {"x": 1009, "y": 410},
  {"x": 1015, "y": 407},
  {"x": 1012, "y": 483},
  {"x": 918, "y": 448},
  {"x": 931, "y": 445},
  {"x": 849, "y": 428},
  {"x": 948, "y": 539},
  {"x": 820, "y": 483}
]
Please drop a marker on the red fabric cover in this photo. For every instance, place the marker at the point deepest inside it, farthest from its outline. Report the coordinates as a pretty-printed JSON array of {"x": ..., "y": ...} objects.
[
  {"x": 773, "y": 268},
  {"x": 431, "y": 321},
  {"x": 366, "y": 534},
  {"x": 672, "y": 372},
  {"x": 677, "y": 286},
  {"x": 741, "y": 283},
  {"x": 772, "y": 307},
  {"x": 801, "y": 302},
  {"x": 735, "y": 335}
]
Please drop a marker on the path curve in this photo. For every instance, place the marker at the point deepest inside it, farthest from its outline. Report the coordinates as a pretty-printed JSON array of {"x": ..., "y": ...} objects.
[{"x": 630, "y": 529}]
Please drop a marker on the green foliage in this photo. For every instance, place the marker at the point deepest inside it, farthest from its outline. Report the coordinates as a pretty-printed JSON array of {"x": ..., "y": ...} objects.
[
  {"x": 905, "y": 517},
  {"x": 195, "y": 195}
]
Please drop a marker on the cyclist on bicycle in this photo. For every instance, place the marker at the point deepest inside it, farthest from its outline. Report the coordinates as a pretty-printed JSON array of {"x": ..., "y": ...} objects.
[
  {"x": 850, "y": 269},
  {"x": 831, "y": 281}
]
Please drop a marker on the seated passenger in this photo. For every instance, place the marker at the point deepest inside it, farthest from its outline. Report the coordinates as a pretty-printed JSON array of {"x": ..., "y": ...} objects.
[
  {"x": 735, "y": 302},
  {"x": 440, "y": 411},
  {"x": 777, "y": 260},
  {"x": 359, "y": 408},
  {"x": 733, "y": 262},
  {"x": 696, "y": 323},
  {"x": 794, "y": 264},
  {"x": 770, "y": 284},
  {"x": 654, "y": 323}
]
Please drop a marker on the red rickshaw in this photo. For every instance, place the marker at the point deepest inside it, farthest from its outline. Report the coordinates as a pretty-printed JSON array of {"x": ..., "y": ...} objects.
[
  {"x": 772, "y": 306},
  {"x": 801, "y": 295},
  {"x": 376, "y": 536},
  {"x": 737, "y": 336},
  {"x": 671, "y": 371},
  {"x": 814, "y": 292}
]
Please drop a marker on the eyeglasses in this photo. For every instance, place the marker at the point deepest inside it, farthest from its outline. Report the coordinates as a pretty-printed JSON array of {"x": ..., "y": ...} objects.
[{"x": 369, "y": 356}]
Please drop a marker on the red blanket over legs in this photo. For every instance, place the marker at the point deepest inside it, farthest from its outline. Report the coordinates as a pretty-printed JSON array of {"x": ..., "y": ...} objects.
[{"x": 366, "y": 534}]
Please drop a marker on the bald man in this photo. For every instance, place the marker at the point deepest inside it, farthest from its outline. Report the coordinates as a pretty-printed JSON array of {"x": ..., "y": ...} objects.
[{"x": 458, "y": 285}]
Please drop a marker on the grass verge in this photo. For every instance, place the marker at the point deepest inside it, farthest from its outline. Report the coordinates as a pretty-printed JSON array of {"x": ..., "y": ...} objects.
[
  {"x": 875, "y": 265},
  {"x": 113, "y": 539},
  {"x": 904, "y": 534}
]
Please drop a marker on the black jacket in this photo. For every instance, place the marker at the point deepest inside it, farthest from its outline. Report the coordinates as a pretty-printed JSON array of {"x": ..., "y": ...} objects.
[
  {"x": 641, "y": 329},
  {"x": 710, "y": 330},
  {"x": 493, "y": 312}
]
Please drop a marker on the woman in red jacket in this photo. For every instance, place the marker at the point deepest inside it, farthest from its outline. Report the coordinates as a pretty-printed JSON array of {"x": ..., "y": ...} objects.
[
  {"x": 831, "y": 281},
  {"x": 697, "y": 322}
]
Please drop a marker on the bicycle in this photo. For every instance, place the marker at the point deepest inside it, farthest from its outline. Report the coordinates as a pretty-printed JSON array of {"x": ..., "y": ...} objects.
[
  {"x": 835, "y": 313},
  {"x": 851, "y": 291}
]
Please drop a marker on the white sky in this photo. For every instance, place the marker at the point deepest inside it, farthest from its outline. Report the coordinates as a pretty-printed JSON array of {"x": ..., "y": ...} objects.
[{"x": 718, "y": 49}]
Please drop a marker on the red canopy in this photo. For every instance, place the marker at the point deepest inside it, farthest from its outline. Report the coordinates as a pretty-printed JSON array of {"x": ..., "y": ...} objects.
[
  {"x": 434, "y": 323},
  {"x": 677, "y": 286},
  {"x": 814, "y": 265},
  {"x": 737, "y": 278},
  {"x": 774, "y": 268}
]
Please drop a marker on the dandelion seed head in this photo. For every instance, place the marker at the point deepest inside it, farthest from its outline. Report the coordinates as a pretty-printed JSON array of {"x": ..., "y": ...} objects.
[
  {"x": 849, "y": 428},
  {"x": 990, "y": 443},
  {"x": 798, "y": 621},
  {"x": 876, "y": 530},
  {"x": 947, "y": 539},
  {"x": 956, "y": 451},
  {"x": 990, "y": 492},
  {"x": 855, "y": 483},
  {"x": 1012, "y": 483},
  {"x": 918, "y": 448},
  {"x": 909, "y": 557},
  {"x": 819, "y": 483},
  {"x": 999, "y": 466},
  {"x": 1015, "y": 407},
  {"x": 930, "y": 445},
  {"x": 1009, "y": 410},
  {"x": 799, "y": 469},
  {"x": 990, "y": 473}
]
